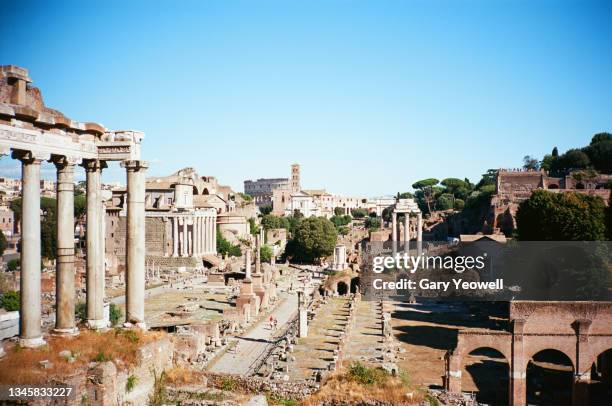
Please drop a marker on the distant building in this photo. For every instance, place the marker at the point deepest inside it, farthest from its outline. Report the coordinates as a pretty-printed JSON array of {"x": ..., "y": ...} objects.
[
  {"x": 262, "y": 190},
  {"x": 512, "y": 187},
  {"x": 7, "y": 221}
]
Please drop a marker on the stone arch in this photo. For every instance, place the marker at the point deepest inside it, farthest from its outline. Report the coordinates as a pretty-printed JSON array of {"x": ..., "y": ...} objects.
[
  {"x": 489, "y": 370},
  {"x": 205, "y": 191},
  {"x": 553, "y": 186},
  {"x": 195, "y": 190},
  {"x": 549, "y": 377},
  {"x": 580, "y": 185},
  {"x": 600, "y": 387}
]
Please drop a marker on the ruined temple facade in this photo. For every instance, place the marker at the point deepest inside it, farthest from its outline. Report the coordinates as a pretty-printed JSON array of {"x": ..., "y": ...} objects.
[
  {"x": 183, "y": 213},
  {"x": 33, "y": 133},
  {"x": 513, "y": 187}
]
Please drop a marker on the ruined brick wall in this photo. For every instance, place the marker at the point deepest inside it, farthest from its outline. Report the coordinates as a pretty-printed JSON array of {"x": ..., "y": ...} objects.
[{"x": 155, "y": 236}]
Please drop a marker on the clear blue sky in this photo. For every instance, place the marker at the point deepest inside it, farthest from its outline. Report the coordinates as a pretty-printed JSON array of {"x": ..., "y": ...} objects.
[{"x": 367, "y": 96}]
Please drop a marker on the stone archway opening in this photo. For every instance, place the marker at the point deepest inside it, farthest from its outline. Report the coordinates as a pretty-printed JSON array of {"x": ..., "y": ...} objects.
[
  {"x": 485, "y": 371},
  {"x": 342, "y": 288},
  {"x": 355, "y": 284},
  {"x": 550, "y": 379},
  {"x": 600, "y": 389},
  {"x": 205, "y": 191}
]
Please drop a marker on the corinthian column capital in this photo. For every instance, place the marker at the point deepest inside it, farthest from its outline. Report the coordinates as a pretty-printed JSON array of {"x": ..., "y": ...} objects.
[
  {"x": 30, "y": 157},
  {"x": 93, "y": 165},
  {"x": 135, "y": 165}
]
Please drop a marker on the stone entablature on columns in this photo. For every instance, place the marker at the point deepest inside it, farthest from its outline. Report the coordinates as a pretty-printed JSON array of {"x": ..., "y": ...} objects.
[
  {"x": 35, "y": 133},
  {"x": 410, "y": 209},
  {"x": 193, "y": 232}
]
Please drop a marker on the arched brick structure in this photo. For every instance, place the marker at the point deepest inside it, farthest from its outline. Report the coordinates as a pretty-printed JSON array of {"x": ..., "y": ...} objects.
[{"x": 580, "y": 330}]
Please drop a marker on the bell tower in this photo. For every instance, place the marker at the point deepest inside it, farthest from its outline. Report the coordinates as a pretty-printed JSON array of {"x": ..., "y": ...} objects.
[{"x": 295, "y": 178}]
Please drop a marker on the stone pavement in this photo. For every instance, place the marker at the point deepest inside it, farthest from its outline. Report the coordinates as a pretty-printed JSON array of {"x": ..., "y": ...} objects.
[
  {"x": 366, "y": 337},
  {"x": 255, "y": 343},
  {"x": 315, "y": 352}
]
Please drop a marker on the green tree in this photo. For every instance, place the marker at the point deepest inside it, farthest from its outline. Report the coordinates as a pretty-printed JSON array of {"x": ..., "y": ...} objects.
[
  {"x": 265, "y": 253},
  {"x": 530, "y": 163},
  {"x": 547, "y": 216},
  {"x": 270, "y": 221},
  {"x": 48, "y": 235},
  {"x": 426, "y": 188},
  {"x": 245, "y": 197},
  {"x": 339, "y": 211},
  {"x": 267, "y": 209},
  {"x": 488, "y": 178},
  {"x": 359, "y": 213},
  {"x": 372, "y": 223},
  {"x": 114, "y": 314},
  {"x": 3, "y": 243},
  {"x": 314, "y": 238},
  {"x": 600, "y": 152},
  {"x": 445, "y": 201},
  {"x": 9, "y": 301},
  {"x": 224, "y": 247},
  {"x": 253, "y": 226},
  {"x": 12, "y": 265},
  {"x": 405, "y": 195},
  {"x": 609, "y": 218},
  {"x": 341, "y": 220},
  {"x": 573, "y": 159}
]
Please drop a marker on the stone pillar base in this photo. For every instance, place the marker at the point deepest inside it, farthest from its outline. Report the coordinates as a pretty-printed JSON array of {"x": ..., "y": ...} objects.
[
  {"x": 65, "y": 331},
  {"x": 97, "y": 324},
  {"x": 140, "y": 325},
  {"x": 31, "y": 342}
]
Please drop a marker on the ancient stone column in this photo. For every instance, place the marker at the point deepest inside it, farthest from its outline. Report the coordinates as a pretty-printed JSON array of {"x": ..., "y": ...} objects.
[
  {"x": 210, "y": 234},
  {"x": 184, "y": 238},
  {"x": 175, "y": 237},
  {"x": 30, "y": 334},
  {"x": 196, "y": 236},
  {"x": 95, "y": 256},
  {"x": 518, "y": 365},
  {"x": 452, "y": 382},
  {"x": 135, "y": 253},
  {"x": 247, "y": 264},
  {"x": 213, "y": 233},
  {"x": 419, "y": 234},
  {"x": 64, "y": 271},
  {"x": 302, "y": 315},
  {"x": 201, "y": 249},
  {"x": 393, "y": 226},
  {"x": 394, "y": 233},
  {"x": 257, "y": 255},
  {"x": 407, "y": 232}
]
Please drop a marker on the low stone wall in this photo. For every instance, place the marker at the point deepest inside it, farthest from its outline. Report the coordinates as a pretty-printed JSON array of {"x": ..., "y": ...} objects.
[
  {"x": 104, "y": 384},
  {"x": 9, "y": 325},
  {"x": 172, "y": 262},
  {"x": 287, "y": 390}
]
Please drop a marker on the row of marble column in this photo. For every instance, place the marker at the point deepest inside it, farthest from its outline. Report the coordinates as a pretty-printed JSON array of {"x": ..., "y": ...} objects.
[
  {"x": 395, "y": 231},
  {"x": 30, "y": 330},
  {"x": 193, "y": 235}
]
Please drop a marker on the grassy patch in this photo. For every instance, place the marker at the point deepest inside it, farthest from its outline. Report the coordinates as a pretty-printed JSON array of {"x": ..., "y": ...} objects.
[
  {"x": 21, "y": 365},
  {"x": 131, "y": 383},
  {"x": 360, "y": 383}
]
